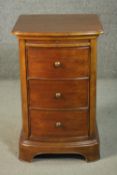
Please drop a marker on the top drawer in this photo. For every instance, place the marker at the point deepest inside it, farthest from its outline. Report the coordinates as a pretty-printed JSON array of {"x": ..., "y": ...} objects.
[{"x": 58, "y": 62}]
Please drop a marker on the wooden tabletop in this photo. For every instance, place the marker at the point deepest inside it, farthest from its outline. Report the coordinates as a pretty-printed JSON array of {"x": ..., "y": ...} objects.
[{"x": 56, "y": 25}]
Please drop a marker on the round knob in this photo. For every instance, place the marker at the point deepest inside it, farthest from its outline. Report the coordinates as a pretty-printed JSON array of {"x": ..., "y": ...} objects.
[
  {"x": 57, "y": 64},
  {"x": 58, "y": 124},
  {"x": 58, "y": 95}
]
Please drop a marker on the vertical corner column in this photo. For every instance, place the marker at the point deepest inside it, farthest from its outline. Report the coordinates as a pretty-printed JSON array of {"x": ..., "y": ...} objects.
[
  {"x": 24, "y": 95},
  {"x": 93, "y": 65}
]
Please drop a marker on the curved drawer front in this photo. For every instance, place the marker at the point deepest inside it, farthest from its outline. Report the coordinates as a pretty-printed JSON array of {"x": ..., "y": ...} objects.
[
  {"x": 58, "y": 94},
  {"x": 73, "y": 62},
  {"x": 57, "y": 123}
]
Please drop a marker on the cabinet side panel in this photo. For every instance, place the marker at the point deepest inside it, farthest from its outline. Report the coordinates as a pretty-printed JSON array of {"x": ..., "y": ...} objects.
[
  {"x": 23, "y": 75},
  {"x": 93, "y": 61}
]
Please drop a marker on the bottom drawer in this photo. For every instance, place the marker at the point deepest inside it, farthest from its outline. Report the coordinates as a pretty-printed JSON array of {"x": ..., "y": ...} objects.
[{"x": 58, "y": 123}]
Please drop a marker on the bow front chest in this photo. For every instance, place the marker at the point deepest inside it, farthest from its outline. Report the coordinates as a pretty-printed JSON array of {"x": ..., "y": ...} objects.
[{"x": 58, "y": 84}]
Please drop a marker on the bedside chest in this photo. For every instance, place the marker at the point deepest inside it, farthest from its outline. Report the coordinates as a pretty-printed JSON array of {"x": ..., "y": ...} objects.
[{"x": 58, "y": 84}]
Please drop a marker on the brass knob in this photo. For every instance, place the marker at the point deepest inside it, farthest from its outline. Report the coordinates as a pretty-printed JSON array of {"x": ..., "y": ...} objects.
[
  {"x": 58, "y": 124},
  {"x": 58, "y": 95},
  {"x": 57, "y": 64}
]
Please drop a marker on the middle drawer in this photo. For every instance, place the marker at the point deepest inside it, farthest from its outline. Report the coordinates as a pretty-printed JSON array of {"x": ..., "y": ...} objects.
[{"x": 58, "y": 94}]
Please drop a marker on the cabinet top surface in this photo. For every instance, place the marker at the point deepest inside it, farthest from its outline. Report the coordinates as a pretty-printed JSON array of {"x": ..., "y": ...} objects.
[{"x": 57, "y": 25}]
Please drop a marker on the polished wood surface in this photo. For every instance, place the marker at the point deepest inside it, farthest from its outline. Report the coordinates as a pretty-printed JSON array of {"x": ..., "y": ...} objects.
[
  {"x": 58, "y": 84},
  {"x": 56, "y": 25},
  {"x": 73, "y": 62},
  {"x": 73, "y": 94},
  {"x": 88, "y": 147},
  {"x": 93, "y": 77},
  {"x": 24, "y": 89},
  {"x": 70, "y": 124}
]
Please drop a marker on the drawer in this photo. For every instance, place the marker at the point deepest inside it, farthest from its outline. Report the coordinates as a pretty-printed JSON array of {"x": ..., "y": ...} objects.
[
  {"x": 58, "y": 94},
  {"x": 58, "y": 123},
  {"x": 58, "y": 62}
]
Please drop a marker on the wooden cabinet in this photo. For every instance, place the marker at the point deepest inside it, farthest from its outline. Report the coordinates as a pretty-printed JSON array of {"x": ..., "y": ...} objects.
[{"x": 58, "y": 84}]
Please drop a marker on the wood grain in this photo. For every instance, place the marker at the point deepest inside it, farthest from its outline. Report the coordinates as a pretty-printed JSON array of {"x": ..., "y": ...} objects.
[
  {"x": 74, "y": 94},
  {"x": 58, "y": 84},
  {"x": 43, "y": 124},
  {"x": 23, "y": 75},
  {"x": 74, "y": 62},
  {"x": 93, "y": 76},
  {"x": 58, "y": 25}
]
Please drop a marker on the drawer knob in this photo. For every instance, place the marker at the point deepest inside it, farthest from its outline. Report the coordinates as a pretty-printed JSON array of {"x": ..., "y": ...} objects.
[
  {"x": 58, "y": 95},
  {"x": 58, "y": 124},
  {"x": 57, "y": 64}
]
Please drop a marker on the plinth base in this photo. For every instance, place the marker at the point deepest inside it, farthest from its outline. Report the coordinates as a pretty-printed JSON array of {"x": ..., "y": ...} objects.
[{"x": 88, "y": 148}]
